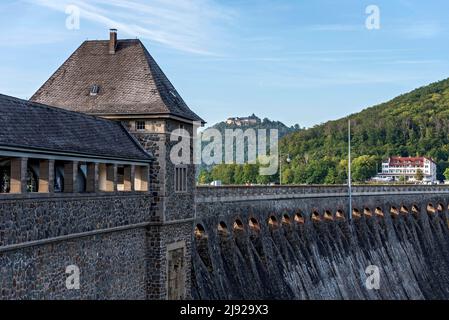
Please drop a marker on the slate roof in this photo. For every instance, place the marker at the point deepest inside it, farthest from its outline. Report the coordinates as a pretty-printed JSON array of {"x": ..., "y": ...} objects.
[
  {"x": 29, "y": 125},
  {"x": 130, "y": 81}
]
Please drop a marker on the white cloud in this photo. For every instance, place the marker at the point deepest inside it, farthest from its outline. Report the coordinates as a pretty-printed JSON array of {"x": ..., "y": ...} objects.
[
  {"x": 421, "y": 30},
  {"x": 187, "y": 25}
]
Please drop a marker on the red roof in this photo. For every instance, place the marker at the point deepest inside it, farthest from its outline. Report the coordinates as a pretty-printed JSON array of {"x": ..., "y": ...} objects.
[{"x": 408, "y": 161}]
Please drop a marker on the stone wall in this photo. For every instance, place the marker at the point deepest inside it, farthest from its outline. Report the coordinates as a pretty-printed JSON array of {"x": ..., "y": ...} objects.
[
  {"x": 230, "y": 203},
  {"x": 290, "y": 243},
  {"x": 104, "y": 235},
  {"x": 112, "y": 266}
]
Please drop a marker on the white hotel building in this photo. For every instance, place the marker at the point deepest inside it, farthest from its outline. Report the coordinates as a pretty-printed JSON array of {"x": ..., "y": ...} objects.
[{"x": 396, "y": 167}]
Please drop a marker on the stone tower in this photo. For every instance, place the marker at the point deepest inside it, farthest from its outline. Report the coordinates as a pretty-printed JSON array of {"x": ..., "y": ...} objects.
[{"x": 120, "y": 80}]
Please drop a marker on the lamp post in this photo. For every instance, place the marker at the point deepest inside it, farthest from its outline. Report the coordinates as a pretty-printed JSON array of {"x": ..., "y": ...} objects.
[
  {"x": 280, "y": 166},
  {"x": 349, "y": 170}
]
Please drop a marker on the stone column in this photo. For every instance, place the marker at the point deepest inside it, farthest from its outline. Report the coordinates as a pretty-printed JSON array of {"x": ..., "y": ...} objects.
[
  {"x": 92, "y": 183},
  {"x": 70, "y": 177},
  {"x": 111, "y": 178},
  {"x": 128, "y": 178},
  {"x": 141, "y": 178},
  {"x": 144, "y": 178},
  {"x": 18, "y": 175},
  {"x": 46, "y": 176}
]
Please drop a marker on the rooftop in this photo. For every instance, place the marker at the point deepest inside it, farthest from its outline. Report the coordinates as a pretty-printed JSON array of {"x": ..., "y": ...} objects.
[
  {"x": 125, "y": 81},
  {"x": 30, "y": 125}
]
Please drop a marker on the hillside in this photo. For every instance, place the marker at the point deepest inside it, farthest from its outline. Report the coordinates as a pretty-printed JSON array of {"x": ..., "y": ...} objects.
[
  {"x": 257, "y": 124},
  {"x": 241, "y": 174},
  {"x": 416, "y": 123}
]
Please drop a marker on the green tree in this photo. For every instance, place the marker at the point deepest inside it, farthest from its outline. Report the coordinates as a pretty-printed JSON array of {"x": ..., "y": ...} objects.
[
  {"x": 446, "y": 174},
  {"x": 419, "y": 175},
  {"x": 364, "y": 168},
  {"x": 204, "y": 177}
]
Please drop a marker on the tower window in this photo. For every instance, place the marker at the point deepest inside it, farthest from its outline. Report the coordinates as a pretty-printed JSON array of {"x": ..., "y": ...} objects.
[
  {"x": 180, "y": 179},
  {"x": 94, "y": 90},
  {"x": 140, "y": 125}
]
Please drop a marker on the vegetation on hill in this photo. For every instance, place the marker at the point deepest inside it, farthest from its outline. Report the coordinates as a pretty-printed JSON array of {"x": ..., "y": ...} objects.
[
  {"x": 413, "y": 124},
  {"x": 248, "y": 173}
]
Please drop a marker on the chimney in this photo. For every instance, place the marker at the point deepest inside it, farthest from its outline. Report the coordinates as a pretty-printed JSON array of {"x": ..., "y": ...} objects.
[{"x": 112, "y": 41}]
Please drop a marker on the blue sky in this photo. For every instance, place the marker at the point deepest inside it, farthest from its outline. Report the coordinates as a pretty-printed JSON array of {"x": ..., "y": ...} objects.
[{"x": 296, "y": 61}]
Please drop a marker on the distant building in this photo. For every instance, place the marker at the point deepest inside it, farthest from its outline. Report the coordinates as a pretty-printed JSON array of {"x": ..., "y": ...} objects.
[
  {"x": 408, "y": 167},
  {"x": 246, "y": 121}
]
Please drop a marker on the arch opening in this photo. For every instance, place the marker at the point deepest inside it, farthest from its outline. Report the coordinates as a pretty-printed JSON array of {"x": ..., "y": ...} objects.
[
  {"x": 404, "y": 211},
  {"x": 379, "y": 212},
  {"x": 273, "y": 222},
  {"x": 415, "y": 210},
  {"x": 440, "y": 207},
  {"x": 356, "y": 213},
  {"x": 328, "y": 216},
  {"x": 299, "y": 218},
  {"x": 238, "y": 226},
  {"x": 286, "y": 219},
  {"x": 340, "y": 215},
  {"x": 316, "y": 216},
  {"x": 431, "y": 209},
  {"x": 367, "y": 212},
  {"x": 254, "y": 224},
  {"x": 222, "y": 229},
  {"x": 200, "y": 232},
  {"x": 394, "y": 212}
]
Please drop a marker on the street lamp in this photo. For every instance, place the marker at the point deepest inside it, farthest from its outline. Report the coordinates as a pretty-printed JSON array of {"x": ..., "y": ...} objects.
[{"x": 288, "y": 160}]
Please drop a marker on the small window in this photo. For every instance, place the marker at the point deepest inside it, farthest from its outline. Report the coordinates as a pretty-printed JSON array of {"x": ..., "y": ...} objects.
[
  {"x": 140, "y": 125},
  {"x": 180, "y": 179},
  {"x": 94, "y": 90}
]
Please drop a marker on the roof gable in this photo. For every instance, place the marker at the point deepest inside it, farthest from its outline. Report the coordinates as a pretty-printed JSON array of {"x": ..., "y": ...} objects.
[{"x": 130, "y": 83}]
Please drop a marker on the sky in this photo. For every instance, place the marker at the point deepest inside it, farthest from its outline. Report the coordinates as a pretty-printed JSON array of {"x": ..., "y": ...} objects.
[{"x": 297, "y": 61}]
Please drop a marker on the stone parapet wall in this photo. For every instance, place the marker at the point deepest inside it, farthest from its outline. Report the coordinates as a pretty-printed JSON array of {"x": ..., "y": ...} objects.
[
  {"x": 31, "y": 218},
  {"x": 254, "y": 193}
]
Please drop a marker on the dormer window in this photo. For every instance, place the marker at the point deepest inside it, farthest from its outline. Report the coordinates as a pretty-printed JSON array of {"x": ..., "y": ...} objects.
[
  {"x": 140, "y": 125},
  {"x": 94, "y": 90}
]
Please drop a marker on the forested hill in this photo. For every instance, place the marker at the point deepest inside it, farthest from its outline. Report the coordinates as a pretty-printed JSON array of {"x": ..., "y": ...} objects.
[
  {"x": 260, "y": 124},
  {"x": 416, "y": 123}
]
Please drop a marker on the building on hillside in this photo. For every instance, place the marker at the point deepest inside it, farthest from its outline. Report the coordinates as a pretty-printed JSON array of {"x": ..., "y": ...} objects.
[
  {"x": 245, "y": 121},
  {"x": 408, "y": 169}
]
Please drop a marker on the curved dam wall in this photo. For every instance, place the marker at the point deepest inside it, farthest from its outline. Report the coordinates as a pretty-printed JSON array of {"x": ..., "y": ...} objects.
[{"x": 298, "y": 243}]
